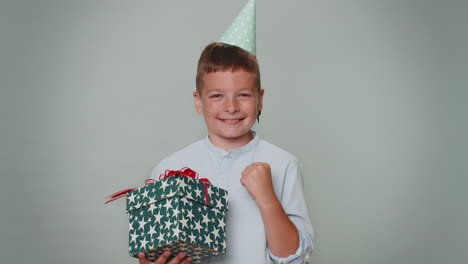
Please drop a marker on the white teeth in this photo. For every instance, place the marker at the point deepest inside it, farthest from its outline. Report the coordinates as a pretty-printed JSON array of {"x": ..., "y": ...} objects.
[{"x": 231, "y": 120}]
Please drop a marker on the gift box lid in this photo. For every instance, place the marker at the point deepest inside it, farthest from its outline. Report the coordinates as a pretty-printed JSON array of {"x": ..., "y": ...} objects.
[{"x": 177, "y": 185}]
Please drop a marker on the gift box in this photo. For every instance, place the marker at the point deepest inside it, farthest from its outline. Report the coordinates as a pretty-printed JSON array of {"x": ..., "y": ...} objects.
[{"x": 180, "y": 214}]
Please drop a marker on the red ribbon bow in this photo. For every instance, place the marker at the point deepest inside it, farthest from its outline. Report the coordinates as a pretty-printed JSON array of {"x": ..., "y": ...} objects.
[{"x": 185, "y": 172}]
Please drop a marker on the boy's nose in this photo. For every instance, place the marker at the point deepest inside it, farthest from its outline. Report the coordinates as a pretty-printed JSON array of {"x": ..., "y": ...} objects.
[{"x": 231, "y": 106}]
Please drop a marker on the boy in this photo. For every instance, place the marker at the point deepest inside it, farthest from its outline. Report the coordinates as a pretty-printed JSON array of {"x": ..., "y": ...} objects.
[{"x": 267, "y": 220}]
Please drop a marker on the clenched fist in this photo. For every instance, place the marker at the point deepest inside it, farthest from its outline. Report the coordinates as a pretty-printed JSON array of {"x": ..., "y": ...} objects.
[{"x": 256, "y": 178}]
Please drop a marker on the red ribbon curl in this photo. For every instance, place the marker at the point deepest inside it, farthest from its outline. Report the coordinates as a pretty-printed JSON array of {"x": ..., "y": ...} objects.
[{"x": 119, "y": 195}]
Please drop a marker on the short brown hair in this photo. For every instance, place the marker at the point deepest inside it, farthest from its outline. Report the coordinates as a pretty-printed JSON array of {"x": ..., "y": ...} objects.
[{"x": 223, "y": 57}]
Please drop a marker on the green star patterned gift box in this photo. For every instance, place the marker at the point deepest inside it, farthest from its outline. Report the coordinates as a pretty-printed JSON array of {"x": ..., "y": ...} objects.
[{"x": 180, "y": 214}]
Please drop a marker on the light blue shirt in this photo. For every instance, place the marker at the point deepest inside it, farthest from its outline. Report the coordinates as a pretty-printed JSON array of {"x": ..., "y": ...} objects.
[{"x": 245, "y": 233}]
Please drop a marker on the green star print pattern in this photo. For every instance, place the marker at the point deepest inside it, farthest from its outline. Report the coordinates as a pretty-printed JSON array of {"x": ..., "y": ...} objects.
[
  {"x": 242, "y": 32},
  {"x": 172, "y": 214}
]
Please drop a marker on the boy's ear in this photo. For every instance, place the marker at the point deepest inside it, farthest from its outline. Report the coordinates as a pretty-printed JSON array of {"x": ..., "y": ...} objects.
[
  {"x": 198, "y": 103},
  {"x": 260, "y": 100}
]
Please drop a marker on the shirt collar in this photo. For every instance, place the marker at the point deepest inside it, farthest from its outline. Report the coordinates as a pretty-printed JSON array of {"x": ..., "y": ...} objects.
[{"x": 221, "y": 153}]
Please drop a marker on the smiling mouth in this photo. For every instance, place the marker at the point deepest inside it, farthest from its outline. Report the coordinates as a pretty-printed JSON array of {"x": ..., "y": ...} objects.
[{"x": 231, "y": 121}]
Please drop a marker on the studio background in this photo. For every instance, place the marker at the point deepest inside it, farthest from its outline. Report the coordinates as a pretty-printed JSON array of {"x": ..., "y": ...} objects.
[{"x": 369, "y": 95}]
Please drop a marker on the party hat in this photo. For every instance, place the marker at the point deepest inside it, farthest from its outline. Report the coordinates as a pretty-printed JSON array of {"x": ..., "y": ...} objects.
[{"x": 242, "y": 32}]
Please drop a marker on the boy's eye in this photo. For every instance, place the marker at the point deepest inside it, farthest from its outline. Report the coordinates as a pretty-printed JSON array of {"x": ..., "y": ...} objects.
[
  {"x": 244, "y": 95},
  {"x": 215, "y": 96}
]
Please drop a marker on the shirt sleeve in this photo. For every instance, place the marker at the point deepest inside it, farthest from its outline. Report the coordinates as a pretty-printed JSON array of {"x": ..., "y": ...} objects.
[
  {"x": 164, "y": 165},
  {"x": 292, "y": 199},
  {"x": 156, "y": 172},
  {"x": 302, "y": 254}
]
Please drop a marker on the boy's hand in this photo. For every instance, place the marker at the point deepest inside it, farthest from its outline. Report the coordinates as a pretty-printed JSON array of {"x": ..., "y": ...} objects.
[
  {"x": 179, "y": 259},
  {"x": 256, "y": 178},
  {"x": 281, "y": 233}
]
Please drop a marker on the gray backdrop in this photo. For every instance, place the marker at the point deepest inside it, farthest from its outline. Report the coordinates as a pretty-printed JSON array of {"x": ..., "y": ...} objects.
[{"x": 369, "y": 95}]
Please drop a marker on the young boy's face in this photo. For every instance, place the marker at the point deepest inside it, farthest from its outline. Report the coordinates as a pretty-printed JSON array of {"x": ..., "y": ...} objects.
[{"x": 229, "y": 102}]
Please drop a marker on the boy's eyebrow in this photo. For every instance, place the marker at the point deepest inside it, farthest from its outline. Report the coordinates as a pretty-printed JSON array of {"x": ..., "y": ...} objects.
[
  {"x": 213, "y": 91},
  {"x": 247, "y": 89},
  {"x": 220, "y": 90}
]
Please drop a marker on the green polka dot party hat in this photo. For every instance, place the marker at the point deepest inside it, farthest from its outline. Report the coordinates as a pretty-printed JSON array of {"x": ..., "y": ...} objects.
[{"x": 242, "y": 32}]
